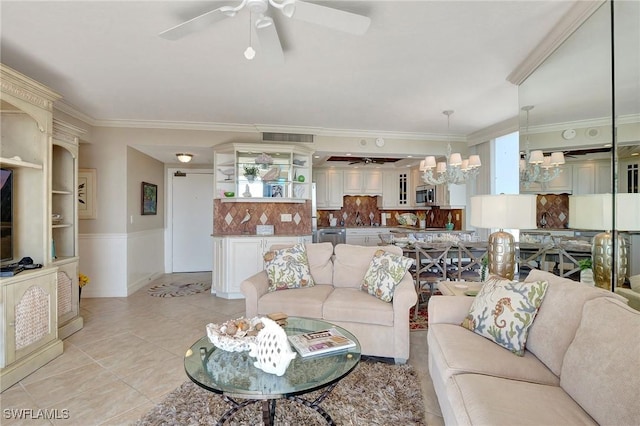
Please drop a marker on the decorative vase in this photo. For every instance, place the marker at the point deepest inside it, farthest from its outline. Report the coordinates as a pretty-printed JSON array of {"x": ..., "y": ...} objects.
[
  {"x": 250, "y": 178},
  {"x": 423, "y": 223},
  {"x": 586, "y": 276},
  {"x": 449, "y": 226},
  {"x": 79, "y": 294}
]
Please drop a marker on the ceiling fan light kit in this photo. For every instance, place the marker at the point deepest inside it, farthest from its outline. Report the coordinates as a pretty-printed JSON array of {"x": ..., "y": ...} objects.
[
  {"x": 265, "y": 27},
  {"x": 454, "y": 169}
]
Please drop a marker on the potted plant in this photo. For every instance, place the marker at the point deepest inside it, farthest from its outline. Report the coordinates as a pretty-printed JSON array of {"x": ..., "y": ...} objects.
[
  {"x": 586, "y": 273},
  {"x": 483, "y": 270},
  {"x": 250, "y": 172},
  {"x": 82, "y": 281},
  {"x": 422, "y": 219}
]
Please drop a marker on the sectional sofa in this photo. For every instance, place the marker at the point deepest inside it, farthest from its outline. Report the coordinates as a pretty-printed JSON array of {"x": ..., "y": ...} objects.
[
  {"x": 581, "y": 365},
  {"x": 382, "y": 328}
]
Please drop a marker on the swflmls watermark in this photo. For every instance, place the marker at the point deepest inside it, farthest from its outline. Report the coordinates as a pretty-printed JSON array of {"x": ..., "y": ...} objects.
[{"x": 33, "y": 414}]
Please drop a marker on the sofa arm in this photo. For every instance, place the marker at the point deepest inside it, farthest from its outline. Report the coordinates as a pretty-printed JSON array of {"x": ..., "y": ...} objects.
[
  {"x": 253, "y": 288},
  {"x": 448, "y": 309},
  {"x": 404, "y": 295}
]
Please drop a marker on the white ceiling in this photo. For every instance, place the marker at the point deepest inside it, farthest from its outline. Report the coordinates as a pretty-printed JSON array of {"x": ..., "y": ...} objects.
[{"x": 417, "y": 59}]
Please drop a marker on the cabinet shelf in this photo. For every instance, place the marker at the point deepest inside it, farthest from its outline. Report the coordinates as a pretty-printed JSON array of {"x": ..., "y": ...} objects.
[
  {"x": 59, "y": 192},
  {"x": 262, "y": 200},
  {"x": 19, "y": 163},
  {"x": 62, "y": 225}
]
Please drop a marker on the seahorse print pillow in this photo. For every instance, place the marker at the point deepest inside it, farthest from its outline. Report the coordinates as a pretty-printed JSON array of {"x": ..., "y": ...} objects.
[{"x": 504, "y": 310}]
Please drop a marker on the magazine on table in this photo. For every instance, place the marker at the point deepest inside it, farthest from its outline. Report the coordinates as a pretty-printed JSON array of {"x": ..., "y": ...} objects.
[{"x": 320, "y": 342}]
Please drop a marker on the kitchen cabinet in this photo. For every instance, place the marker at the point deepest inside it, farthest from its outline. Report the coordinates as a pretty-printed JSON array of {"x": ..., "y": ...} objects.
[
  {"x": 365, "y": 236},
  {"x": 329, "y": 189},
  {"x": 561, "y": 184},
  {"x": 396, "y": 185},
  {"x": 236, "y": 258},
  {"x": 362, "y": 182}
]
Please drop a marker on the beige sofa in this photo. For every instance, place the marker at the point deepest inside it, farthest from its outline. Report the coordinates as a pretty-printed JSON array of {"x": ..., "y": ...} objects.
[
  {"x": 382, "y": 328},
  {"x": 581, "y": 365},
  {"x": 631, "y": 294}
]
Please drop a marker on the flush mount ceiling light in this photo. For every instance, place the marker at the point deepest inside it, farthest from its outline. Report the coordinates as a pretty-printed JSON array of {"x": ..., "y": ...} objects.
[
  {"x": 454, "y": 169},
  {"x": 535, "y": 167},
  {"x": 184, "y": 157}
]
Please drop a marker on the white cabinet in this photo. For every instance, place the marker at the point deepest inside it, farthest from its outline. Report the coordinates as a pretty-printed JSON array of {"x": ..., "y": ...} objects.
[
  {"x": 363, "y": 182},
  {"x": 591, "y": 177},
  {"x": 561, "y": 184},
  {"x": 282, "y": 172},
  {"x": 28, "y": 305},
  {"x": 396, "y": 185},
  {"x": 364, "y": 236},
  {"x": 237, "y": 258},
  {"x": 329, "y": 192}
]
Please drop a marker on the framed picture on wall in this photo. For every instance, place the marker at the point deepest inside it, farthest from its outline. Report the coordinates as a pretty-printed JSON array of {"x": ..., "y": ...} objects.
[
  {"x": 277, "y": 191},
  {"x": 87, "y": 194},
  {"x": 149, "y": 198}
]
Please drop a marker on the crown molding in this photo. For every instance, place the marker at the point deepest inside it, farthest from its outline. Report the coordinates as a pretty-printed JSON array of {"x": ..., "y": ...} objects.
[
  {"x": 505, "y": 127},
  {"x": 570, "y": 22}
]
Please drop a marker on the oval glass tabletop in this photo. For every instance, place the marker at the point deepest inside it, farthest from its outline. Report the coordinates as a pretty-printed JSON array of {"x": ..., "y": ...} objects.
[{"x": 233, "y": 373}]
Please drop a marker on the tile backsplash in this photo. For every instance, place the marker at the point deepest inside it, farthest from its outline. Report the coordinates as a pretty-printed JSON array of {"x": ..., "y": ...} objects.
[
  {"x": 552, "y": 211},
  {"x": 228, "y": 217},
  {"x": 367, "y": 207}
]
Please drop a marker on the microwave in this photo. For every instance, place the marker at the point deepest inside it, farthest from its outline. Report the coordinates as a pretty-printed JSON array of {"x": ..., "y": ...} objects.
[{"x": 425, "y": 195}]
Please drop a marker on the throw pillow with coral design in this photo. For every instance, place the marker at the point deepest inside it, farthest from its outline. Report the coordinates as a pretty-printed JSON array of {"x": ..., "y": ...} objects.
[
  {"x": 288, "y": 268},
  {"x": 504, "y": 310},
  {"x": 384, "y": 274}
]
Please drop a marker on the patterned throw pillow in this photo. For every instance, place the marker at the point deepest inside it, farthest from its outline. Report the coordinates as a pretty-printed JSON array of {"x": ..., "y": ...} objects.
[
  {"x": 504, "y": 310},
  {"x": 288, "y": 268},
  {"x": 384, "y": 274}
]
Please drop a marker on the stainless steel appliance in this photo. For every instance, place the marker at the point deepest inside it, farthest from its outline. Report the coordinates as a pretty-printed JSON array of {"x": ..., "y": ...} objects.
[
  {"x": 425, "y": 195},
  {"x": 332, "y": 235}
]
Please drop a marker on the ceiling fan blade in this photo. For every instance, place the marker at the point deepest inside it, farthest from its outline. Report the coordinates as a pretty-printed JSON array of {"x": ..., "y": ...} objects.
[
  {"x": 332, "y": 18},
  {"x": 270, "y": 45},
  {"x": 195, "y": 24}
]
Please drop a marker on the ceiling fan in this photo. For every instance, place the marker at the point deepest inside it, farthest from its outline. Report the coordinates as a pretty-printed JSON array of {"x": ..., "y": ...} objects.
[
  {"x": 363, "y": 160},
  {"x": 265, "y": 28}
]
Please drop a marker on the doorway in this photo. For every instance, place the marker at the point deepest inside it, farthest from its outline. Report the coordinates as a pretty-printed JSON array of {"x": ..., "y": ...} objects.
[{"x": 191, "y": 221}]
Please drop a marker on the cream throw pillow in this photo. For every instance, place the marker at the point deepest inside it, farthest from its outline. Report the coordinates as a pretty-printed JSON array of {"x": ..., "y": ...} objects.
[
  {"x": 504, "y": 310},
  {"x": 384, "y": 274},
  {"x": 288, "y": 268}
]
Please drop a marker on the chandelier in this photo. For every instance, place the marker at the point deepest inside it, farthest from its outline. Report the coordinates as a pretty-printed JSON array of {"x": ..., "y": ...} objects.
[
  {"x": 453, "y": 170},
  {"x": 536, "y": 167}
]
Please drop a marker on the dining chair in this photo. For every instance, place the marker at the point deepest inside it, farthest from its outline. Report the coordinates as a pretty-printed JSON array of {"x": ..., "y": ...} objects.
[
  {"x": 470, "y": 257},
  {"x": 430, "y": 268}
]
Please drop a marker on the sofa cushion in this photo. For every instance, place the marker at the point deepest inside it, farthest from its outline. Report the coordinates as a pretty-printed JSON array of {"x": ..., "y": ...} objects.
[
  {"x": 352, "y": 262},
  {"x": 353, "y": 305},
  {"x": 602, "y": 365},
  {"x": 302, "y": 302},
  {"x": 288, "y": 268},
  {"x": 634, "y": 283},
  {"x": 320, "y": 264},
  {"x": 385, "y": 272},
  {"x": 504, "y": 310},
  {"x": 485, "y": 400},
  {"x": 562, "y": 306},
  {"x": 457, "y": 350}
]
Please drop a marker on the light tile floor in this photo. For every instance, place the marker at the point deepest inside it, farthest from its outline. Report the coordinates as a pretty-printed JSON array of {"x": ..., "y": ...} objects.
[{"x": 129, "y": 355}]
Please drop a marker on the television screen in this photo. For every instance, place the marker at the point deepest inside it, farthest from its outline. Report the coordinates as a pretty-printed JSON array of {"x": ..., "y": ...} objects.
[{"x": 6, "y": 215}]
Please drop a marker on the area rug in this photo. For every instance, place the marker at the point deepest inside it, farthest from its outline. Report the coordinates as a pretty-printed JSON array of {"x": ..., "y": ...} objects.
[
  {"x": 177, "y": 289},
  {"x": 422, "y": 321},
  {"x": 373, "y": 394}
]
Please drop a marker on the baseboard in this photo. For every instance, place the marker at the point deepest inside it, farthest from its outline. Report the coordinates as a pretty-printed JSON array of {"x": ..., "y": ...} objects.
[{"x": 137, "y": 285}]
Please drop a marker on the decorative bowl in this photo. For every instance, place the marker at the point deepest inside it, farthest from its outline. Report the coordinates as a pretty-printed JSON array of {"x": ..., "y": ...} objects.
[
  {"x": 241, "y": 338},
  {"x": 408, "y": 219},
  {"x": 229, "y": 194}
]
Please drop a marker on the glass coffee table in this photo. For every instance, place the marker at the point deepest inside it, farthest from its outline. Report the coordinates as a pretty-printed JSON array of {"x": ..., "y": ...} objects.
[{"x": 233, "y": 375}]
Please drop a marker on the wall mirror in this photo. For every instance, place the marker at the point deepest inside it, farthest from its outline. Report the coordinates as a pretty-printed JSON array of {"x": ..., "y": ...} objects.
[{"x": 585, "y": 93}]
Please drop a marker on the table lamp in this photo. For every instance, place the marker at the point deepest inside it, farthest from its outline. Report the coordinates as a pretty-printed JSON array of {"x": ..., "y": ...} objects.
[
  {"x": 594, "y": 212},
  {"x": 503, "y": 211}
]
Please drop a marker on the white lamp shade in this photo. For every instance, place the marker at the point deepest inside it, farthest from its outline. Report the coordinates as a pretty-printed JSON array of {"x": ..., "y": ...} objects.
[
  {"x": 557, "y": 158},
  {"x": 441, "y": 167},
  {"x": 455, "y": 159},
  {"x": 474, "y": 161},
  {"x": 504, "y": 211},
  {"x": 546, "y": 162},
  {"x": 423, "y": 165},
  {"x": 628, "y": 212},
  {"x": 430, "y": 162},
  {"x": 591, "y": 211},
  {"x": 536, "y": 157},
  {"x": 523, "y": 165},
  {"x": 465, "y": 165}
]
